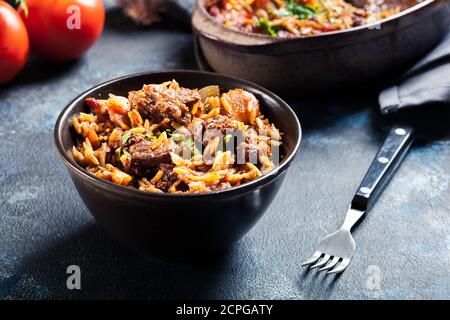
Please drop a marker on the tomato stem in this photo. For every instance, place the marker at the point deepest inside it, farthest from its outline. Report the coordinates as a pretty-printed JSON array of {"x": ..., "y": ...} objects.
[{"x": 24, "y": 6}]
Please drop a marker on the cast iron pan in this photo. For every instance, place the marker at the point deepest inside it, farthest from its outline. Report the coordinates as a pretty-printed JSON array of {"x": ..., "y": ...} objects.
[{"x": 325, "y": 61}]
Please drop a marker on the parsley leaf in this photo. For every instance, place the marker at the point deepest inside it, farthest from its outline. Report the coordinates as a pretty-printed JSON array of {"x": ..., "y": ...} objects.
[
  {"x": 264, "y": 23},
  {"x": 227, "y": 138},
  {"x": 148, "y": 135},
  {"x": 125, "y": 137},
  {"x": 177, "y": 137},
  {"x": 293, "y": 8},
  {"x": 126, "y": 153}
]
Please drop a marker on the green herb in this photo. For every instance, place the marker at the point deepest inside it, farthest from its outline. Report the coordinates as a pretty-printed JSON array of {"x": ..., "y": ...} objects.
[
  {"x": 126, "y": 153},
  {"x": 206, "y": 107},
  {"x": 151, "y": 137},
  {"x": 125, "y": 137},
  {"x": 24, "y": 6},
  {"x": 189, "y": 142},
  {"x": 177, "y": 137},
  {"x": 293, "y": 8},
  {"x": 265, "y": 24},
  {"x": 195, "y": 152},
  {"x": 168, "y": 132},
  {"x": 227, "y": 138}
]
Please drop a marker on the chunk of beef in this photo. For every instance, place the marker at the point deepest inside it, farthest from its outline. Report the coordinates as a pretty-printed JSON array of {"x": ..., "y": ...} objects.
[
  {"x": 144, "y": 155},
  {"x": 168, "y": 177},
  {"x": 220, "y": 126},
  {"x": 133, "y": 139},
  {"x": 99, "y": 107},
  {"x": 157, "y": 102},
  {"x": 196, "y": 128},
  {"x": 358, "y": 20}
]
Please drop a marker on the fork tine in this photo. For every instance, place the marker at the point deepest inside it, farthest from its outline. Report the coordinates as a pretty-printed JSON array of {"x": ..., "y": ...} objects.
[
  {"x": 341, "y": 267},
  {"x": 313, "y": 259},
  {"x": 331, "y": 265},
  {"x": 322, "y": 262}
]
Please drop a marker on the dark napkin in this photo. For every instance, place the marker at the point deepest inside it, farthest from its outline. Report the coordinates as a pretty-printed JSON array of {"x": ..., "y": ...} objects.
[{"x": 427, "y": 83}]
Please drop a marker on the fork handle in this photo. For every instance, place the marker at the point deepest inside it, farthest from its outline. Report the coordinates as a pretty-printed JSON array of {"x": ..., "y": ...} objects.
[{"x": 386, "y": 162}]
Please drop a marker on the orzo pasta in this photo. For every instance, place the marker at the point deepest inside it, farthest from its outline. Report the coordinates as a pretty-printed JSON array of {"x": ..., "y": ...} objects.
[
  {"x": 166, "y": 138},
  {"x": 287, "y": 18}
]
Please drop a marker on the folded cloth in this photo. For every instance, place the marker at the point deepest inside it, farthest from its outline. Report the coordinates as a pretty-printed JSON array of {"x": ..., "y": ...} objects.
[{"x": 428, "y": 82}]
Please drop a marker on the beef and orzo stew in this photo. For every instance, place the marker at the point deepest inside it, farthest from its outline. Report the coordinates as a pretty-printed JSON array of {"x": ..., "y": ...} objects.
[
  {"x": 166, "y": 138},
  {"x": 287, "y": 18}
]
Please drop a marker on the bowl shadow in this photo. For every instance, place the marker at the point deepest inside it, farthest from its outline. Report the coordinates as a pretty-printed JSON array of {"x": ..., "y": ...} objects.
[
  {"x": 110, "y": 270},
  {"x": 40, "y": 71}
]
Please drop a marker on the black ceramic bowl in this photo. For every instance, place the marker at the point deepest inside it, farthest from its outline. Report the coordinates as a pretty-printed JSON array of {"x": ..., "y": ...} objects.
[{"x": 167, "y": 223}]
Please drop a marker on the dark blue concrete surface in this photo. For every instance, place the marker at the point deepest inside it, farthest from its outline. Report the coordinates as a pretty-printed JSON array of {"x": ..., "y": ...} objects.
[{"x": 403, "y": 246}]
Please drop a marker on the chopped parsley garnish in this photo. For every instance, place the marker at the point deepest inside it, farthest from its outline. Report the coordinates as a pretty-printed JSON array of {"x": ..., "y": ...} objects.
[
  {"x": 189, "y": 142},
  {"x": 293, "y": 8},
  {"x": 151, "y": 137},
  {"x": 265, "y": 24},
  {"x": 195, "y": 151},
  {"x": 227, "y": 138},
  {"x": 126, "y": 153},
  {"x": 125, "y": 137},
  {"x": 177, "y": 137}
]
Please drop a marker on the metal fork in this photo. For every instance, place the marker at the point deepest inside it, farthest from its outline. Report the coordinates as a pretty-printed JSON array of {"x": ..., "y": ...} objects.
[{"x": 336, "y": 250}]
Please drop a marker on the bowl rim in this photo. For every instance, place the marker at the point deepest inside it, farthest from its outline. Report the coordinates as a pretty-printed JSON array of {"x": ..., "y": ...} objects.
[
  {"x": 275, "y": 40},
  {"x": 243, "y": 188}
]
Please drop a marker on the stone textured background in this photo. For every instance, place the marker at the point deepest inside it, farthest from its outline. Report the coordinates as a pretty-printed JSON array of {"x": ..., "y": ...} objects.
[{"x": 44, "y": 226}]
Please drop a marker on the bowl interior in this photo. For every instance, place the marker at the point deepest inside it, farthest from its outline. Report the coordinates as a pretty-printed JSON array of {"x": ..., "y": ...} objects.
[{"x": 273, "y": 107}]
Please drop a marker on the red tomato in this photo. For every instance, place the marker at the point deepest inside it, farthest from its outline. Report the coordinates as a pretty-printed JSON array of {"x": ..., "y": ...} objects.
[
  {"x": 13, "y": 43},
  {"x": 62, "y": 30}
]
